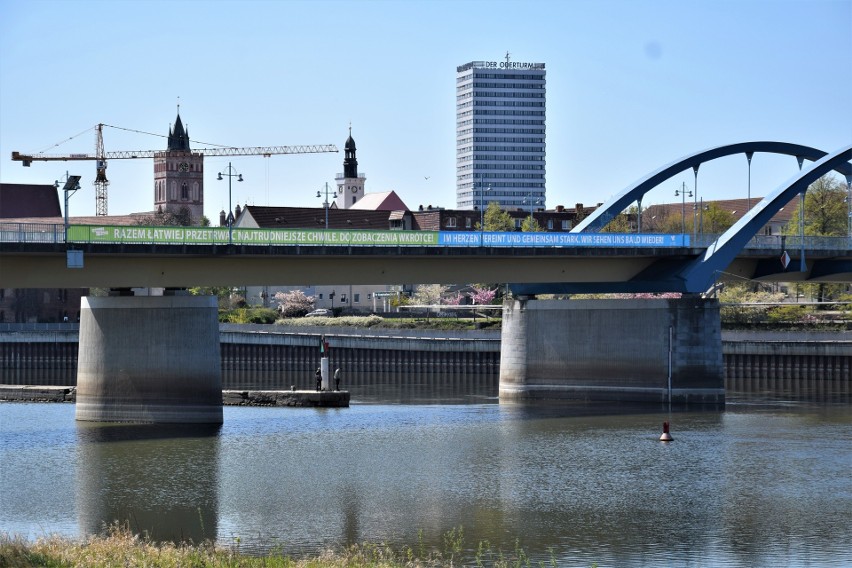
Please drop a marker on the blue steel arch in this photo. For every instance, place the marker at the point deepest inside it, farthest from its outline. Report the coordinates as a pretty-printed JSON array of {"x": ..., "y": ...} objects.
[
  {"x": 700, "y": 273},
  {"x": 697, "y": 274},
  {"x": 618, "y": 203}
]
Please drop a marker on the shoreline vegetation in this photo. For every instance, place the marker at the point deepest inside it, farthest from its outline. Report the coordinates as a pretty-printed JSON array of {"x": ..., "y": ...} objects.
[
  {"x": 119, "y": 546},
  {"x": 734, "y": 317}
]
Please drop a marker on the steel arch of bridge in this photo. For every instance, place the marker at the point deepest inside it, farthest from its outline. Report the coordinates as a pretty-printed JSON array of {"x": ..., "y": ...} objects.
[
  {"x": 696, "y": 274},
  {"x": 699, "y": 274},
  {"x": 618, "y": 203}
]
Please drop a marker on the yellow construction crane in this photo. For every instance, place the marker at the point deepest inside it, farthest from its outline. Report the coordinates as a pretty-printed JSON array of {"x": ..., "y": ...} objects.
[{"x": 100, "y": 156}]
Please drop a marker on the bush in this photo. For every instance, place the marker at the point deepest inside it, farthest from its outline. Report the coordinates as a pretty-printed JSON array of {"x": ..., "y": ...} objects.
[
  {"x": 788, "y": 314},
  {"x": 343, "y": 321},
  {"x": 248, "y": 315}
]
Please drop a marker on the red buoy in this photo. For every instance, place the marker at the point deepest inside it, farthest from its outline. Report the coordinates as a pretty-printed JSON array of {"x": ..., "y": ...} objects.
[{"x": 666, "y": 437}]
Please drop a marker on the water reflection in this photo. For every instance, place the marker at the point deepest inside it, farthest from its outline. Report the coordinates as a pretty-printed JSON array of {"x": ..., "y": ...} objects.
[
  {"x": 161, "y": 480},
  {"x": 764, "y": 482}
]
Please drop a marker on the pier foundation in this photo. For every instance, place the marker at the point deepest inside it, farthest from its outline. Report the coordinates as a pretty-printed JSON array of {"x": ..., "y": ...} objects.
[
  {"x": 149, "y": 359},
  {"x": 654, "y": 350}
]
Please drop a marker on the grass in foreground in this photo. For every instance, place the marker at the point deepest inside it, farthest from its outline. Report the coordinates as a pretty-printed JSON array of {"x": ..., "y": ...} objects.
[{"x": 119, "y": 547}]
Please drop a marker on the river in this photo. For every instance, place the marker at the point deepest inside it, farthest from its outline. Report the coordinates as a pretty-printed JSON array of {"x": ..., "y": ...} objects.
[{"x": 766, "y": 482}]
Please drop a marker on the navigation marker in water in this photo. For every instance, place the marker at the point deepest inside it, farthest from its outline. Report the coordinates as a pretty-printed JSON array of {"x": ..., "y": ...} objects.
[{"x": 665, "y": 436}]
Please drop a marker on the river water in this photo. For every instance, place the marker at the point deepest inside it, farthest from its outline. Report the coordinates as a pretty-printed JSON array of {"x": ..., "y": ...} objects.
[{"x": 766, "y": 482}]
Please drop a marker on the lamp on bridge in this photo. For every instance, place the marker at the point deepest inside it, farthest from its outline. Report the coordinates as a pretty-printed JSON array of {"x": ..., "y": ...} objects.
[
  {"x": 481, "y": 208},
  {"x": 231, "y": 173},
  {"x": 683, "y": 193},
  {"x": 849, "y": 204},
  {"x": 72, "y": 184},
  {"x": 533, "y": 202},
  {"x": 325, "y": 204}
]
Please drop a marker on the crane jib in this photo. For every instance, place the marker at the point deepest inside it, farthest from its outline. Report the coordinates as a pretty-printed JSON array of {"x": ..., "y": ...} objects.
[{"x": 131, "y": 154}]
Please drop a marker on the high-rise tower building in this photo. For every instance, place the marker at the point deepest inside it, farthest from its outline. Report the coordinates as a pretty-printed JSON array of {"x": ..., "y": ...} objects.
[
  {"x": 500, "y": 134},
  {"x": 179, "y": 176}
]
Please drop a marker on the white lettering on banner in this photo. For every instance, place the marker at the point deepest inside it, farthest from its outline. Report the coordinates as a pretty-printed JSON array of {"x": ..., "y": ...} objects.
[
  {"x": 199, "y": 235},
  {"x": 133, "y": 234}
]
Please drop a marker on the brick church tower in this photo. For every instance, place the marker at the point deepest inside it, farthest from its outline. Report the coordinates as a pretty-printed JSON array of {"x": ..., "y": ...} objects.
[{"x": 179, "y": 176}]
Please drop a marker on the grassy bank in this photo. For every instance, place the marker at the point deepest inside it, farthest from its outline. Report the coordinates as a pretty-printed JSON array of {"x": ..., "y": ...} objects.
[{"x": 118, "y": 546}]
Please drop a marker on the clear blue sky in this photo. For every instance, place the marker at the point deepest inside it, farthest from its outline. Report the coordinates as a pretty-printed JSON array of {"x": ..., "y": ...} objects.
[{"x": 631, "y": 86}]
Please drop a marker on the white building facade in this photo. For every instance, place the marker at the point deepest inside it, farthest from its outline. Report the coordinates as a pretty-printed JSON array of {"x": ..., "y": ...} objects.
[{"x": 500, "y": 134}]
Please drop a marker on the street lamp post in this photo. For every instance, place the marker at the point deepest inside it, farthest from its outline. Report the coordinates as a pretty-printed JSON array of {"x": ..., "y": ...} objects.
[
  {"x": 533, "y": 203},
  {"x": 325, "y": 204},
  {"x": 72, "y": 184},
  {"x": 481, "y": 209},
  {"x": 695, "y": 200},
  {"x": 849, "y": 204},
  {"x": 682, "y": 193},
  {"x": 749, "y": 156},
  {"x": 231, "y": 173}
]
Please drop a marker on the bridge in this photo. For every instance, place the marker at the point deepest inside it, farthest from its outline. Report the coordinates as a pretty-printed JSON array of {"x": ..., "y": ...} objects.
[
  {"x": 536, "y": 263},
  {"x": 153, "y": 359},
  {"x": 36, "y": 256}
]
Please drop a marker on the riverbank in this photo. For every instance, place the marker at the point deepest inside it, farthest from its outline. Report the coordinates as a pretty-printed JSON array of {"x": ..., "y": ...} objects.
[{"x": 120, "y": 547}]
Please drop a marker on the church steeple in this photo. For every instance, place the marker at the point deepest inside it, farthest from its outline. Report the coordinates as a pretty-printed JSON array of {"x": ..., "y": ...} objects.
[
  {"x": 350, "y": 184},
  {"x": 179, "y": 176},
  {"x": 179, "y": 136},
  {"x": 350, "y": 164}
]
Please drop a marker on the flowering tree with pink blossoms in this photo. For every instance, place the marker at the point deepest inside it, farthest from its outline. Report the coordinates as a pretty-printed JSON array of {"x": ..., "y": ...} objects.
[
  {"x": 482, "y": 296},
  {"x": 293, "y": 304}
]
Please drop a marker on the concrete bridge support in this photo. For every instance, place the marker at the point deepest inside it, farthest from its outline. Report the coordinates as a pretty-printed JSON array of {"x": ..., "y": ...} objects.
[
  {"x": 149, "y": 359},
  {"x": 616, "y": 350}
]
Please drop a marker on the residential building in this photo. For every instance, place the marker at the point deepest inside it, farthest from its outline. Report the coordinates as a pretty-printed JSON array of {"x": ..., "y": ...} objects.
[{"x": 500, "y": 134}]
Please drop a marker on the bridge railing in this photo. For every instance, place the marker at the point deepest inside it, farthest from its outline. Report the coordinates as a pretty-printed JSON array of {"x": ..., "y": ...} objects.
[
  {"x": 782, "y": 242},
  {"x": 32, "y": 233},
  {"x": 51, "y": 233}
]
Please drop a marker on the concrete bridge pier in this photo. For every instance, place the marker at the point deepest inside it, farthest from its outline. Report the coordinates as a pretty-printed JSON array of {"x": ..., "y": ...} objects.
[
  {"x": 639, "y": 350},
  {"x": 149, "y": 359}
]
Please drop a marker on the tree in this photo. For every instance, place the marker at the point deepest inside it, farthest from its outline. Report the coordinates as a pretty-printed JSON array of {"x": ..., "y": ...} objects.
[
  {"x": 293, "y": 304},
  {"x": 621, "y": 222},
  {"x": 715, "y": 220},
  {"x": 667, "y": 223},
  {"x": 160, "y": 218},
  {"x": 482, "y": 295},
  {"x": 825, "y": 216},
  {"x": 496, "y": 219},
  {"x": 825, "y": 210},
  {"x": 530, "y": 225},
  {"x": 429, "y": 294}
]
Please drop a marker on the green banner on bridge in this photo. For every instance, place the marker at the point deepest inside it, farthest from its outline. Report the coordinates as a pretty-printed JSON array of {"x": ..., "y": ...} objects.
[{"x": 219, "y": 235}]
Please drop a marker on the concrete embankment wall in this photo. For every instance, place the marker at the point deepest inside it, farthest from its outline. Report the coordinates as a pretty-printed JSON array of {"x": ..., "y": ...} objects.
[
  {"x": 278, "y": 360},
  {"x": 781, "y": 355},
  {"x": 259, "y": 358},
  {"x": 275, "y": 357}
]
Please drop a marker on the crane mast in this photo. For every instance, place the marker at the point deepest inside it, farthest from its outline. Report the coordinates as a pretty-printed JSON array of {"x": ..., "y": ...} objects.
[
  {"x": 101, "y": 156},
  {"x": 101, "y": 181}
]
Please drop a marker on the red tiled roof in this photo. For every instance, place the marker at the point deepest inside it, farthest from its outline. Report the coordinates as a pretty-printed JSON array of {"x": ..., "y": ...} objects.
[
  {"x": 314, "y": 217},
  {"x": 737, "y": 207}
]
